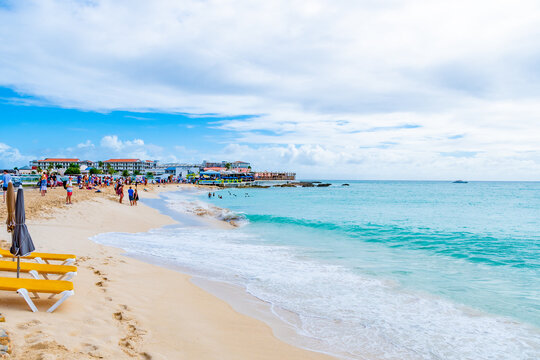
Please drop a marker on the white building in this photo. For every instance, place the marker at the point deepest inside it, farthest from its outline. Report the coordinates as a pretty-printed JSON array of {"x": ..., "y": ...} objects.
[
  {"x": 180, "y": 171},
  {"x": 55, "y": 163},
  {"x": 131, "y": 165}
]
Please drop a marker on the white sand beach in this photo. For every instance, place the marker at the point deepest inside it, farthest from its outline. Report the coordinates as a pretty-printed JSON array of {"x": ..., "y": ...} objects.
[{"x": 124, "y": 308}]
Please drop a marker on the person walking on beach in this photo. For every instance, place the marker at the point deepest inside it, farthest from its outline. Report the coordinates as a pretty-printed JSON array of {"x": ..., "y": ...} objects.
[
  {"x": 6, "y": 179},
  {"x": 120, "y": 191},
  {"x": 130, "y": 194},
  {"x": 135, "y": 196},
  {"x": 43, "y": 185},
  {"x": 69, "y": 190}
]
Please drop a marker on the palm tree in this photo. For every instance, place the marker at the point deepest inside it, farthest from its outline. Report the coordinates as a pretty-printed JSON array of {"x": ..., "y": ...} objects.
[
  {"x": 227, "y": 166},
  {"x": 100, "y": 164}
]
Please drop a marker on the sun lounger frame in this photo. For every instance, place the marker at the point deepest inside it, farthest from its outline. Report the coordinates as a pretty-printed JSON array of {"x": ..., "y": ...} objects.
[{"x": 64, "y": 296}]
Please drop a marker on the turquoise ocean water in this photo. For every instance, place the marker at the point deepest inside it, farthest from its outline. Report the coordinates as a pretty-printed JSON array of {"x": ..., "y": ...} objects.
[{"x": 377, "y": 269}]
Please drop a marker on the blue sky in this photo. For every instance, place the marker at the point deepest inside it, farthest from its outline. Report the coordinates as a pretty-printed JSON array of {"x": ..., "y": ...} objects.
[
  {"x": 330, "y": 89},
  {"x": 46, "y": 130}
]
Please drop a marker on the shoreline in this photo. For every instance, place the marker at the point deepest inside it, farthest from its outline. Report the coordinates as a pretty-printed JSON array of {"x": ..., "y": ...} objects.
[
  {"x": 282, "y": 324},
  {"x": 119, "y": 310}
]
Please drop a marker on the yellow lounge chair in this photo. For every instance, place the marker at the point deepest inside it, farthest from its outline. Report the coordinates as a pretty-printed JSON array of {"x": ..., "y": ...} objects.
[
  {"x": 23, "y": 286},
  {"x": 65, "y": 271},
  {"x": 43, "y": 258}
]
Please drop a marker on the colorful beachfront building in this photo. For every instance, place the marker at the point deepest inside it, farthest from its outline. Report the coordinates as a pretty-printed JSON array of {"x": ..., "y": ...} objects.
[
  {"x": 131, "y": 165},
  {"x": 236, "y": 166}
]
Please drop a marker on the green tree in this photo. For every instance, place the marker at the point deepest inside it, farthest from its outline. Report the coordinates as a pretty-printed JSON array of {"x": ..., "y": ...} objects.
[
  {"x": 125, "y": 173},
  {"x": 227, "y": 166},
  {"x": 94, "y": 171},
  {"x": 73, "y": 170},
  {"x": 33, "y": 172},
  {"x": 38, "y": 169},
  {"x": 58, "y": 166},
  {"x": 149, "y": 175},
  {"x": 100, "y": 164},
  {"x": 136, "y": 172},
  {"x": 110, "y": 169}
]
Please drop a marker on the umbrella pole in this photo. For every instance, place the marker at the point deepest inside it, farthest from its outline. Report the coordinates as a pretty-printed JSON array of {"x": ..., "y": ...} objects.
[{"x": 18, "y": 266}]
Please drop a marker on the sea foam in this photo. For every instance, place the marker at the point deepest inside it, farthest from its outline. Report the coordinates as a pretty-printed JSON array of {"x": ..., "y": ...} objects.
[{"x": 350, "y": 315}]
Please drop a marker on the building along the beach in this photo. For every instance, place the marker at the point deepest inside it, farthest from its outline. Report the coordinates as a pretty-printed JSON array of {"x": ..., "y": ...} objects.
[
  {"x": 236, "y": 166},
  {"x": 241, "y": 166},
  {"x": 181, "y": 171},
  {"x": 131, "y": 165},
  {"x": 55, "y": 163}
]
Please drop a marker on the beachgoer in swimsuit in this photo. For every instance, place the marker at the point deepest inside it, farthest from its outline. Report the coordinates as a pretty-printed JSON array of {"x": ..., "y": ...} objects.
[
  {"x": 69, "y": 190},
  {"x": 43, "y": 186},
  {"x": 130, "y": 194}
]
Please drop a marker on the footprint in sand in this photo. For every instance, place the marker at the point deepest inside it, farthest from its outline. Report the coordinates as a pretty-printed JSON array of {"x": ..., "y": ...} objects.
[
  {"x": 28, "y": 324},
  {"x": 118, "y": 316},
  {"x": 92, "y": 350},
  {"x": 132, "y": 340}
]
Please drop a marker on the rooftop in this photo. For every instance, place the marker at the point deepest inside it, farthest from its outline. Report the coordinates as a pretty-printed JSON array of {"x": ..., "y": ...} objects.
[
  {"x": 59, "y": 160},
  {"x": 122, "y": 160}
]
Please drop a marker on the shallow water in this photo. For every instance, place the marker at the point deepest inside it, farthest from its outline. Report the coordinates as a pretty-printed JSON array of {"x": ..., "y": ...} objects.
[{"x": 391, "y": 270}]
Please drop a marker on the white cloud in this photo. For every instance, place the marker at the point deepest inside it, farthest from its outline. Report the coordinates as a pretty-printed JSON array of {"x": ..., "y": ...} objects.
[
  {"x": 11, "y": 157},
  {"x": 335, "y": 83}
]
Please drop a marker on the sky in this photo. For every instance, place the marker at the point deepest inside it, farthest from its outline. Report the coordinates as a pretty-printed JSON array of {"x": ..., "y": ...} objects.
[{"x": 330, "y": 89}]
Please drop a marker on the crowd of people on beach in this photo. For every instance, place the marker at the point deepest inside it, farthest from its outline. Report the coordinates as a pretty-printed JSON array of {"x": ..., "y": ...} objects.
[
  {"x": 133, "y": 194},
  {"x": 50, "y": 180},
  {"x": 83, "y": 182}
]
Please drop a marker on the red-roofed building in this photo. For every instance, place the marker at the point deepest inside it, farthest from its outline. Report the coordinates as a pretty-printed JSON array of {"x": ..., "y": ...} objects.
[{"x": 55, "y": 162}]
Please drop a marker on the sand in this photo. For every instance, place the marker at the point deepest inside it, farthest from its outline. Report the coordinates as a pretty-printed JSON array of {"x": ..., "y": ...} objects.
[{"x": 124, "y": 308}]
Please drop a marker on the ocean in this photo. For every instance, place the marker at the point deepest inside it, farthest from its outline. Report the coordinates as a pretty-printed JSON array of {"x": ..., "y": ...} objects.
[{"x": 376, "y": 269}]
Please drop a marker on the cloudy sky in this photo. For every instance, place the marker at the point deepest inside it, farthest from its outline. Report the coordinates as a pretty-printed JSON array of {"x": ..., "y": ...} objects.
[{"x": 359, "y": 89}]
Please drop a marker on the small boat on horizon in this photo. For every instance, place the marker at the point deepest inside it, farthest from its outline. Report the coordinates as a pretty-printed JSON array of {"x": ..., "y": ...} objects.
[{"x": 460, "y": 182}]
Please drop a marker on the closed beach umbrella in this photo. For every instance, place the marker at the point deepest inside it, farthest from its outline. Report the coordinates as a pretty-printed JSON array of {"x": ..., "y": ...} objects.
[
  {"x": 21, "y": 241},
  {"x": 10, "y": 201}
]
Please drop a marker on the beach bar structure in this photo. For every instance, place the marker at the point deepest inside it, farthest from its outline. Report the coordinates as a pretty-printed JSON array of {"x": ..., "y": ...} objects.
[
  {"x": 276, "y": 176},
  {"x": 223, "y": 178}
]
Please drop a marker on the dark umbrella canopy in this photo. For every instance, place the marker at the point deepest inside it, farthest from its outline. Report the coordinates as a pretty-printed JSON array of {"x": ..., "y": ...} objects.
[{"x": 21, "y": 241}]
